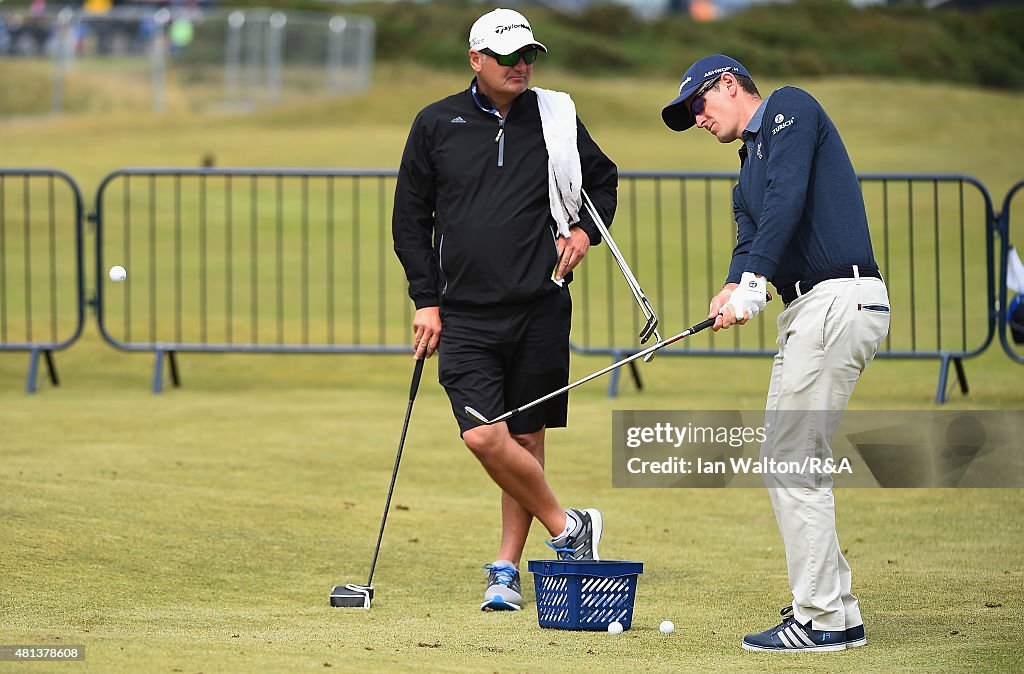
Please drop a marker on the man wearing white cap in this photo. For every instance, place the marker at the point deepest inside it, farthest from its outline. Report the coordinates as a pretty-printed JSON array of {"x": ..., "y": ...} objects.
[
  {"x": 488, "y": 227},
  {"x": 801, "y": 224}
]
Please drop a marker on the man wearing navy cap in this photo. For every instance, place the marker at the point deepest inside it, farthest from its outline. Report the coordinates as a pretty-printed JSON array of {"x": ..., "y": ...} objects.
[{"x": 801, "y": 224}]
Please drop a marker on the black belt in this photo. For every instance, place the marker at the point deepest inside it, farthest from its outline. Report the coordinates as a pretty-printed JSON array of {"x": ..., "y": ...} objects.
[{"x": 795, "y": 290}]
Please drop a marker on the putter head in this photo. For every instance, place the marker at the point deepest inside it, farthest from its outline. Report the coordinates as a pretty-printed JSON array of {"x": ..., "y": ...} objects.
[
  {"x": 352, "y": 596},
  {"x": 476, "y": 416}
]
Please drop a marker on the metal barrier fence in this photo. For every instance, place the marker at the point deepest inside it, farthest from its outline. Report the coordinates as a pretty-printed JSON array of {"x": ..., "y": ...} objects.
[
  {"x": 1005, "y": 220},
  {"x": 932, "y": 238},
  {"x": 42, "y": 305},
  {"x": 301, "y": 260},
  {"x": 196, "y": 55},
  {"x": 254, "y": 260}
]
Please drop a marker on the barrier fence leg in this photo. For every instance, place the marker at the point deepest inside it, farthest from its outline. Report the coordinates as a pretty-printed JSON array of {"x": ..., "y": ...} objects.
[
  {"x": 172, "y": 360},
  {"x": 51, "y": 368},
  {"x": 613, "y": 381},
  {"x": 613, "y": 384},
  {"x": 940, "y": 394},
  {"x": 33, "y": 369},
  {"x": 158, "y": 370},
  {"x": 635, "y": 371},
  {"x": 961, "y": 376}
]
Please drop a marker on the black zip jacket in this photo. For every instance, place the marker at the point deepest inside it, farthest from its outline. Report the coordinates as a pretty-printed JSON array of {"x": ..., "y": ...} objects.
[{"x": 472, "y": 223}]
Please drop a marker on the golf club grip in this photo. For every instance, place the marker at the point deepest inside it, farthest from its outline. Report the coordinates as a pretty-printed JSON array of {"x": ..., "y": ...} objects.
[
  {"x": 416, "y": 374},
  {"x": 703, "y": 325}
]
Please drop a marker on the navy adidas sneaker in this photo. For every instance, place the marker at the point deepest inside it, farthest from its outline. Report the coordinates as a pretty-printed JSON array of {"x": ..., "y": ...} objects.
[
  {"x": 504, "y": 592},
  {"x": 854, "y": 635},
  {"x": 789, "y": 636}
]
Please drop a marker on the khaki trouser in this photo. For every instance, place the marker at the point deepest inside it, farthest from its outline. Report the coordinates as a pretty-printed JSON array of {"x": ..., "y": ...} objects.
[{"x": 826, "y": 339}]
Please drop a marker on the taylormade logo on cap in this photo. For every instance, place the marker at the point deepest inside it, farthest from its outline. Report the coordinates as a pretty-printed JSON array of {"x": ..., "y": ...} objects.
[{"x": 503, "y": 31}]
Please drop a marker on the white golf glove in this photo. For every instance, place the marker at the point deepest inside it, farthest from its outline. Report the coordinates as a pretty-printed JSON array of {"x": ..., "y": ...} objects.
[{"x": 749, "y": 297}]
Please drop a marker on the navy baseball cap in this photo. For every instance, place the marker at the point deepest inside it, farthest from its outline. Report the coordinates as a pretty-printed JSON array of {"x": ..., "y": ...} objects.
[{"x": 677, "y": 114}]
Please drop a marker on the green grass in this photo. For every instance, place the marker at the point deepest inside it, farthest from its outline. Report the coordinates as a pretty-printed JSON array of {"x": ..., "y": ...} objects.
[
  {"x": 201, "y": 530},
  {"x": 890, "y": 126}
]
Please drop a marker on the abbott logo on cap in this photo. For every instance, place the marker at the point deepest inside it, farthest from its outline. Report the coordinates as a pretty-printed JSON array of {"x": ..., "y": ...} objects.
[{"x": 503, "y": 31}]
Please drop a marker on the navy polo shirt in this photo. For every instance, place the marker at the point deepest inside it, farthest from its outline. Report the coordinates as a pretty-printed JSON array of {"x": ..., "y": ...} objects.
[{"x": 798, "y": 205}]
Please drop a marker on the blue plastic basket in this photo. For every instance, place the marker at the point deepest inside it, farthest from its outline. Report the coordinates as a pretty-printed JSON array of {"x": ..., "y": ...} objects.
[{"x": 584, "y": 595}]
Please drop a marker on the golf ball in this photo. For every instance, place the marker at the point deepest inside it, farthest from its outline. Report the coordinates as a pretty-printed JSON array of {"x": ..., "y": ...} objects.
[
  {"x": 667, "y": 627},
  {"x": 118, "y": 274},
  {"x": 615, "y": 627}
]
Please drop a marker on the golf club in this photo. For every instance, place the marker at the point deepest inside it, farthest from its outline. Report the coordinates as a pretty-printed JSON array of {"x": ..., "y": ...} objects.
[
  {"x": 651, "y": 327},
  {"x": 651, "y": 349},
  {"x": 360, "y": 596}
]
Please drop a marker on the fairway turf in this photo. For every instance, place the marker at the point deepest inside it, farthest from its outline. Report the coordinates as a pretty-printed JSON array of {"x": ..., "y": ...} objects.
[{"x": 202, "y": 530}]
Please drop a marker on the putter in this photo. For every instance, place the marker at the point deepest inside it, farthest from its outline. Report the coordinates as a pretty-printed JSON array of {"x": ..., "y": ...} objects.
[
  {"x": 360, "y": 596},
  {"x": 629, "y": 359},
  {"x": 651, "y": 327}
]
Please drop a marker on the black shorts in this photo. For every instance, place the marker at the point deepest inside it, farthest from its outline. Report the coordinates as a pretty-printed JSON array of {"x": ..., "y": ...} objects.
[{"x": 495, "y": 359}]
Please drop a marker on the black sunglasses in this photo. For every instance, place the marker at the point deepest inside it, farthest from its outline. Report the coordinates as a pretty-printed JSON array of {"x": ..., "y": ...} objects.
[
  {"x": 697, "y": 102},
  {"x": 509, "y": 60}
]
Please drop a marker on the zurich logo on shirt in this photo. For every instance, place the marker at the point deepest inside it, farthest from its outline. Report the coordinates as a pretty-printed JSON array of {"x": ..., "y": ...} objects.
[{"x": 780, "y": 124}]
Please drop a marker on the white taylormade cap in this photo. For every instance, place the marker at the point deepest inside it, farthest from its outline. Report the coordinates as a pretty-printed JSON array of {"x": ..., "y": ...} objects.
[{"x": 503, "y": 31}]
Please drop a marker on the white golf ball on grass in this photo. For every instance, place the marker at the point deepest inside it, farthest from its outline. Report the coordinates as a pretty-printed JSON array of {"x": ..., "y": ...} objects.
[
  {"x": 667, "y": 627},
  {"x": 118, "y": 273},
  {"x": 615, "y": 627}
]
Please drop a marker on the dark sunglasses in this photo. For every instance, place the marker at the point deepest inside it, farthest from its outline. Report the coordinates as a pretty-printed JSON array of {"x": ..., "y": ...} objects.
[
  {"x": 509, "y": 60},
  {"x": 697, "y": 102}
]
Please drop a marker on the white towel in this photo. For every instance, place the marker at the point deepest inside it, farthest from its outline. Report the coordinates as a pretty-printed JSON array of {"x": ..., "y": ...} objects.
[
  {"x": 1014, "y": 272},
  {"x": 565, "y": 175}
]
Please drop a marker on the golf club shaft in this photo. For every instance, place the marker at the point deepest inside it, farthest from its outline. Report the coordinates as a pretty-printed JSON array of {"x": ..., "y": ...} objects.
[
  {"x": 639, "y": 354},
  {"x": 416, "y": 374},
  {"x": 650, "y": 329},
  {"x": 634, "y": 285}
]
